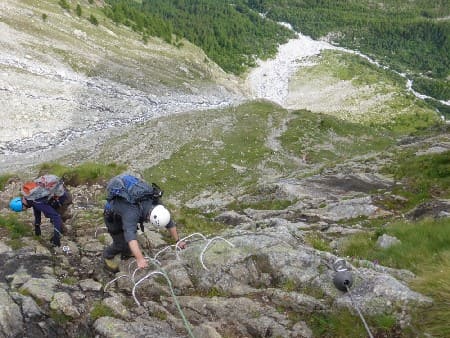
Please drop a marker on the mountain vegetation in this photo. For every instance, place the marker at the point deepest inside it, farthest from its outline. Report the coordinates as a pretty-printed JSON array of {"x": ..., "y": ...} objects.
[
  {"x": 230, "y": 34},
  {"x": 412, "y": 37}
]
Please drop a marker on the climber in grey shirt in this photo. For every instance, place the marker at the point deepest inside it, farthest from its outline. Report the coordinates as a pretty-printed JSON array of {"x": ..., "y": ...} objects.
[{"x": 122, "y": 220}]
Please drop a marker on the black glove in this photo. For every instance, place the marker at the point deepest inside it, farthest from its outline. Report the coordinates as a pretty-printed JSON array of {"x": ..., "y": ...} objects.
[
  {"x": 37, "y": 229},
  {"x": 55, "y": 240}
]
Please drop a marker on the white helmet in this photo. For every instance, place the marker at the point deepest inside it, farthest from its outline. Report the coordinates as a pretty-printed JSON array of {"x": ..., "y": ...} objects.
[{"x": 160, "y": 216}]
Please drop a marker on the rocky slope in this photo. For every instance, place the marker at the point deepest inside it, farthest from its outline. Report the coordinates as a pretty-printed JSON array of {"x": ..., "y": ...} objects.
[
  {"x": 97, "y": 99},
  {"x": 64, "y": 79},
  {"x": 258, "y": 278}
]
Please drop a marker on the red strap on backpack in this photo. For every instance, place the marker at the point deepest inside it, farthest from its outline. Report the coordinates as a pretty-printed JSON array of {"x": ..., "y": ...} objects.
[{"x": 28, "y": 188}]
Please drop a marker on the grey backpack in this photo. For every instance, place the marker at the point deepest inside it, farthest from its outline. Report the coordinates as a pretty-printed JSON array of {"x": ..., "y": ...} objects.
[{"x": 132, "y": 189}]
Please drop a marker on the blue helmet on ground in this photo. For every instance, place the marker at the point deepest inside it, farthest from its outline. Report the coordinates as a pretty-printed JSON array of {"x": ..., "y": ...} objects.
[{"x": 16, "y": 204}]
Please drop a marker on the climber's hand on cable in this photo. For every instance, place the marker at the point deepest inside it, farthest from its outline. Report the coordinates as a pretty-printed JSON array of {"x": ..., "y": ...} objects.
[
  {"x": 142, "y": 263},
  {"x": 181, "y": 244}
]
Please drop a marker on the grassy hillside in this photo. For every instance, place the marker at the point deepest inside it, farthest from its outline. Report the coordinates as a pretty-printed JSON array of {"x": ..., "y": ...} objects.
[
  {"x": 103, "y": 48},
  {"x": 411, "y": 36},
  {"x": 230, "y": 33}
]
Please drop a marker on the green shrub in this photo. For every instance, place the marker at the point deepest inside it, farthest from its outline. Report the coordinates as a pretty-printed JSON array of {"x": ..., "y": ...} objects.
[
  {"x": 192, "y": 220},
  {"x": 15, "y": 227},
  {"x": 423, "y": 249},
  {"x": 434, "y": 281},
  {"x": 59, "y": 317},
  {"x": 161, "y": 315},
  {"x": 93, "y": 20},
  {"x": 4, "y": 179},
  {"x": 78, "y": 10},
  {"x": 101, "y": 310},
  {"x": 317, "y": 242},
  {"x": 64, "y": 4},
  {"x": 86, "y": 173},
  {"x": 424, "y": 177}
]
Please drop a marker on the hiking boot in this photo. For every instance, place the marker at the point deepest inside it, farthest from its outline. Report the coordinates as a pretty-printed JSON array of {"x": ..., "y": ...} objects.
[{"x": 111, "y": 264}]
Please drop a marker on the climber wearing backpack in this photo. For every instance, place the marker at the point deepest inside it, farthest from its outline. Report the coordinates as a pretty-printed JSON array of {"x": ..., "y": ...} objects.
[
  {"x": 131, "y": 202},
  {"x": 46, "y": 195}
]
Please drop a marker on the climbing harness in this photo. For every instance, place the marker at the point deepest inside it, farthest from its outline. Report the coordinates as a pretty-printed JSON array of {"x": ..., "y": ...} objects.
[{"x": 343, "y": 280}]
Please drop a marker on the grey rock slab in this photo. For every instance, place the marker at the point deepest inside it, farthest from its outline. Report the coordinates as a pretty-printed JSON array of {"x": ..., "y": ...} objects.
[
  {"x": 40, "y": 288},
  {"x": 112, "y": 327},
  {"x": 11, "y": 320},
  {"x": 63, "y": 302}
]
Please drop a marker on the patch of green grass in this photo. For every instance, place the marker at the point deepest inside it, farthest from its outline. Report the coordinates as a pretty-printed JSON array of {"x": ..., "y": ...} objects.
[
  {"x": 161, "y": 315},
  {"x": 69, "y": 280},
  {"x": 422, "y": 242},
  {"x": 384, "y": 321},
  {"x": 73, "y": 60},
  {"x": 206, "y": 165},
  {"x": 85, "y": 173},
  {"x": 59, "y": 317},
  {"x": 215, "y": 292},
  {"x": 423, "y": 177},
  {"x": 15, "y": 227},
  {"x": 371, "y": 99},
  {"x": 358, "y": 245},
  {"x": 101, "y": 310},
  {"x": 434, "y": 281},
  {"x": 425, "y": 250},
  {"x": 350, "y": 67},
  {"x": 343, "y": 323},
  {"x": 317, "y": 242},
  {"x": 102, "y": 239},
  {"x": 322, "y": 138},
  {"x": 289, "y": 285},
  {"x": 340, "y": 324},
  {"x": 4, "y": 179},
  {"x": 416, "y": 119},
  {"x": 192, "y": 220},
  {"x": 15, "y": 243}
]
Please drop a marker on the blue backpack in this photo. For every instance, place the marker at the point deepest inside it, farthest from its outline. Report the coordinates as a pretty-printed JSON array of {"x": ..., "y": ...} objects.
[{"x": 132, "y": 189}]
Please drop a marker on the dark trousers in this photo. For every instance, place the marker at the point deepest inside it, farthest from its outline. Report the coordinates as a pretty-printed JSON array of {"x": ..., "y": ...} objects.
[{"x": 119, "y": 245}]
